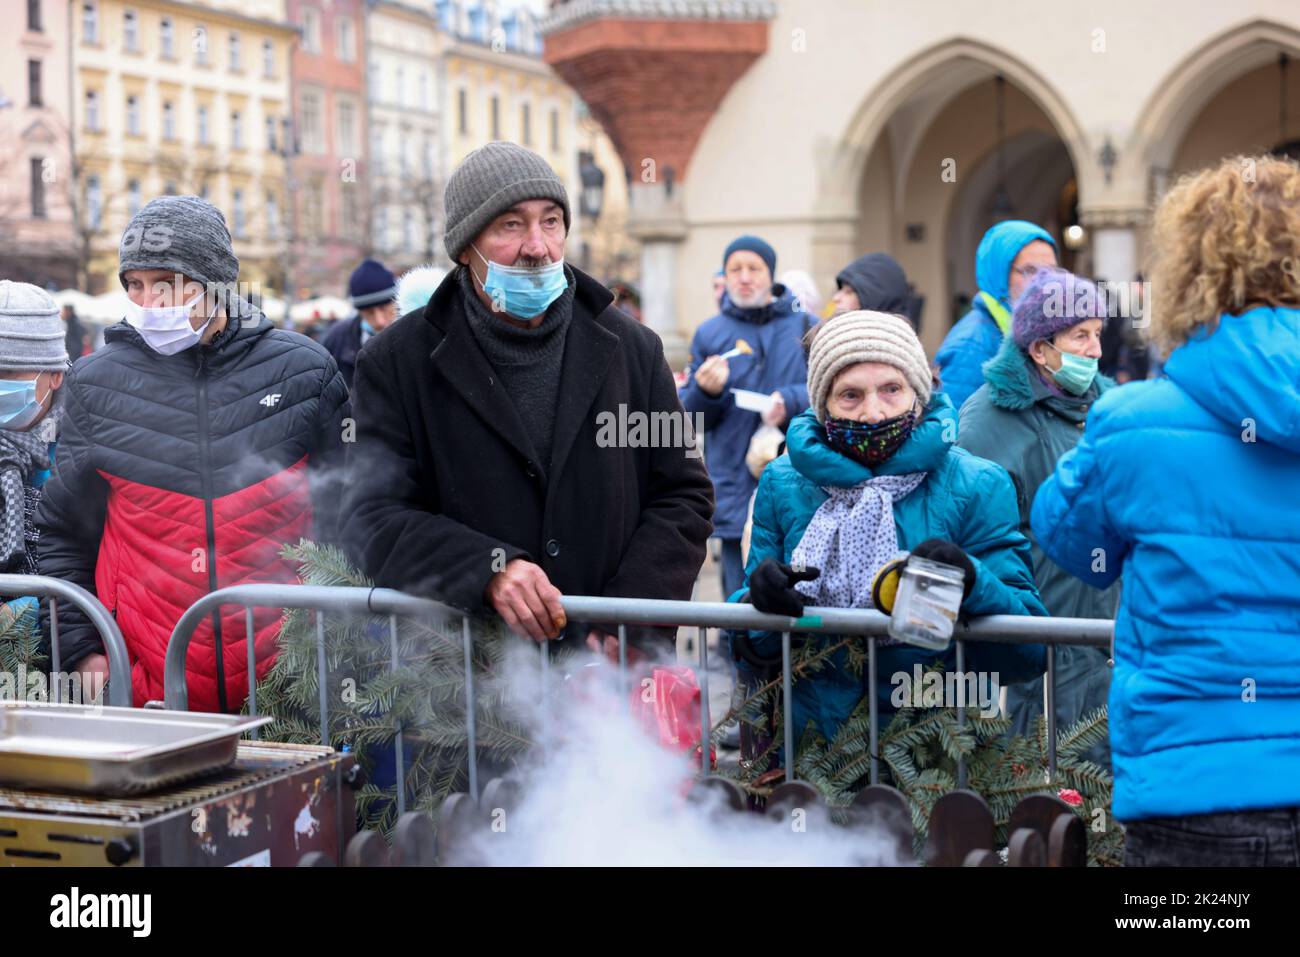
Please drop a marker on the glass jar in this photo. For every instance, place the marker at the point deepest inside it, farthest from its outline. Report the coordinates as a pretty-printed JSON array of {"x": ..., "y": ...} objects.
[{"x": 925, "y": 608}]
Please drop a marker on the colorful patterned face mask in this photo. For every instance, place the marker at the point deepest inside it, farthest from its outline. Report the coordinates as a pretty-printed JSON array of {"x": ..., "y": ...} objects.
[{"x": 867, "y": 443}]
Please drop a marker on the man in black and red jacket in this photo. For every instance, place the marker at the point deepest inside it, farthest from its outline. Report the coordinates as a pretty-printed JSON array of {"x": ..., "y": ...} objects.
[{"x": 196, "y": 443}]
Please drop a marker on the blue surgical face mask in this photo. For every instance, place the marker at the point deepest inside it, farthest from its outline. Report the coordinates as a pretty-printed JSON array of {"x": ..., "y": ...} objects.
[
  {"x": 19, "y": 407},
  {"x": 1076, "y": 372},
  {"x": 523, "y": 291}
]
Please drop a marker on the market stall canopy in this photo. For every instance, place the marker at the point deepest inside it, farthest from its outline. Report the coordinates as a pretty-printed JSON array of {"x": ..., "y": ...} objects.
[{"x": 324, "y": 307}]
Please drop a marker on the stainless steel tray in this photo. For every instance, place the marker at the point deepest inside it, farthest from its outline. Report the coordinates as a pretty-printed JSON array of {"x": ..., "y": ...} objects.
[{"x": 112, "y": 751}]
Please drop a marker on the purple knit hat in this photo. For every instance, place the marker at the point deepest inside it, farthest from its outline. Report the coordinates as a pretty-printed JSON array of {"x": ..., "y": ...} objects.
[{"x": 1054, "y": 300}]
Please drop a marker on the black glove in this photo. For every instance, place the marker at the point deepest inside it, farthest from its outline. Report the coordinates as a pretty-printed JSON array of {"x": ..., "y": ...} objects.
[
  {"x": 771, "y": 588},
  {"x": 942, "y": 550}
]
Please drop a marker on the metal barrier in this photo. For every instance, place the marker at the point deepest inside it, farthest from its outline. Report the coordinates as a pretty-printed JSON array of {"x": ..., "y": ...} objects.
[
  {"x": 1011, "y": 629},
  {"x": 55, "y": 589}
]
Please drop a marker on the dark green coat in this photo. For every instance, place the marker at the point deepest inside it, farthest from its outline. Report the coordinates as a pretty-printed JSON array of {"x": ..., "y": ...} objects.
[{"x": 1015, "y": 420}]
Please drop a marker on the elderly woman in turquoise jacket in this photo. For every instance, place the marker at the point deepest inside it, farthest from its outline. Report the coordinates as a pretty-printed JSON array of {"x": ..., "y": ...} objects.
[
  {"x": 1189, "y": 488},
  {"x": 869, "y": 470}
]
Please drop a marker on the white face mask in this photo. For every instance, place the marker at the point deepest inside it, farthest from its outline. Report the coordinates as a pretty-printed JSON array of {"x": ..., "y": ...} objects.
[{"x": 167, "y": 329}]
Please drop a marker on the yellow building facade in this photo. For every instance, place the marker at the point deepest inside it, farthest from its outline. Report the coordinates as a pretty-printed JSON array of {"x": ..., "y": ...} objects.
[{"x": 173, "y": 97}]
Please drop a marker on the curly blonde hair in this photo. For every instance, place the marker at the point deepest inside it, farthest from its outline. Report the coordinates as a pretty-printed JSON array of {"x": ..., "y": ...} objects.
[{"x": 1224, "y": 239}]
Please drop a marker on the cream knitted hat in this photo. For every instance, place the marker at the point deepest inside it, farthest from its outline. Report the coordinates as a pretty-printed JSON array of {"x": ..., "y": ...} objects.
[{"x": 864, "y": 336}]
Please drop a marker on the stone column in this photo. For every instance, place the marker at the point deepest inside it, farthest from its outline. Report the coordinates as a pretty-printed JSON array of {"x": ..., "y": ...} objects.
[{"x": 656, "y": 220}]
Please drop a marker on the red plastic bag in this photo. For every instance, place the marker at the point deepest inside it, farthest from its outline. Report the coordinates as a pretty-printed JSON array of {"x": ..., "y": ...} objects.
[{"x": 667, "y": 705}]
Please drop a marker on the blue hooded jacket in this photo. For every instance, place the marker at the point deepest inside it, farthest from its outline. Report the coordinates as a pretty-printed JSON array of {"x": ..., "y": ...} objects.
[
  {"x": 1187, "y": 486},
  {"x": 964, "y": 499},
  {"x": 976, "y": 337},
  {"x": 778, "y": 364}
]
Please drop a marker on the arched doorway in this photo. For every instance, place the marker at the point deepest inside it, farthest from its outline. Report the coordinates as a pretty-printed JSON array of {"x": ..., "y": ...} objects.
[
  {"x": 1224, "y": 99},
  {"x": 930, "y": 178}
]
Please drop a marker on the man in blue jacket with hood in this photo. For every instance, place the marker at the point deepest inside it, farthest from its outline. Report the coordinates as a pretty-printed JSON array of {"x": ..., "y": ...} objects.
[
  {"x": 1008, "y": 257},
  {"x": 770, "y": 323}
]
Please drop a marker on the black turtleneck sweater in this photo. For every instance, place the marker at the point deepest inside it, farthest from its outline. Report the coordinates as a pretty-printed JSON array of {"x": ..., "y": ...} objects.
[{"x": 527, "y": 360}]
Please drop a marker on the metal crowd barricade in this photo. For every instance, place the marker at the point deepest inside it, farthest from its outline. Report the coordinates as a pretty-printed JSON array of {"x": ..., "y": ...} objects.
[
  {"x": 1008, "y": 629},
  {"x": 1011, "y": 629},
  {"x": 321, "y": 599},
  {"x": 56, "y": 590}
]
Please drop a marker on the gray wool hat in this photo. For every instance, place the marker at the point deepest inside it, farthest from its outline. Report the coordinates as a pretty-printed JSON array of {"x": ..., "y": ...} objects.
[
  {"x": 182, "y": 233},
  {"x": 32, "y": 334},
  {"x": 488, "y": 182}
]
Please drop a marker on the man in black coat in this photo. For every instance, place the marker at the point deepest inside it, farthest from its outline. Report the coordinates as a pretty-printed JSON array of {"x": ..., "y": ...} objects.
[
  {"x": 373, "y": 291},
  {"x": 497, "y": 465}
]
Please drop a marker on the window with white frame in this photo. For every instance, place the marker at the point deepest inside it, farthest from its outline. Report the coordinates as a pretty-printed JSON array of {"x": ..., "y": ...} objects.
[
  {"x": 346, "y": 40},
  {"x": 272, "y": 216},
  {"x": 238, "y": 207},
  {"x": 37, "y": 172},
  {"x": 406, "y": 227},
  {"x": 310, "y": 128},
  {"x": 381, "y": 226},
  {"x": 92, "y": 110},
  {"x": 203, "y": 125},
  {"x": 34, "y": 16},
  {"x": 133, "y": 115},
  {"x": 167, "y": 39},
  {"x": 348, "y": 208},
  {"x": 426, "y": 156},
  {"x": 94, "y": 202},
  {"x": 90, "y": 22},
  {"x": 311, "y": 31},
  {"x": 424, "y": 90},
  {"x": 133, "y": 197},
  {"x": 169, "y": 121},
  {"x": 270, "y": 133},
  {"x": 377, "y": 150},
  {"x": 268, "y": 59},
  {"x": 200, "y": 43},
  {"x": 376, "y": 82},
  {"x": 236, "y": 130},
  {"x": 235, "y": 61},
  {"x": 130, "y": 31},
  {"x": 399, "y": 93},
  {"x": 347, "y": 138}
]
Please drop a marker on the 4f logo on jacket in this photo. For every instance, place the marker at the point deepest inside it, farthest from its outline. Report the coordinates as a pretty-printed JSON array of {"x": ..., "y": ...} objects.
[{"x": 269, "y": 400}]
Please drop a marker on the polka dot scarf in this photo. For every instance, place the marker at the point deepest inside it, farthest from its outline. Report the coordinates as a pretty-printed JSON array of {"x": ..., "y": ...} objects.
[{"x": 850, "y": 537}]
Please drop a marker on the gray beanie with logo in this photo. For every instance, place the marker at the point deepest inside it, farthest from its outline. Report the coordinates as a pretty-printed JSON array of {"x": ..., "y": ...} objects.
[
  {"x": 32, "y": 334},
  {"x": 185, "y": 234},
  {"x": 488, "y": 182}
]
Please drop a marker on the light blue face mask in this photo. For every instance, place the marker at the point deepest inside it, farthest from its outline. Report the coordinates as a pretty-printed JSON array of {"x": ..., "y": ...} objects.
[
  {"x": 19, "y": 407},
  {"x": 523, "y": 291},
  {"x": 1076, "y": 372}
]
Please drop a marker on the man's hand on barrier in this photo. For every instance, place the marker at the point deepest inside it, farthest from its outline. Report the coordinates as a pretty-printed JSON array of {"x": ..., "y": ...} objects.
[
  {"x": 607, "y": 645},
  {"x": 525, "y": 598}
]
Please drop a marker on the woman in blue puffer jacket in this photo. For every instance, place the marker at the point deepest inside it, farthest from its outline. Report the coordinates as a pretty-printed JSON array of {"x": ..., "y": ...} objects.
[
  {"x": 1189, "y": 488},
  {"x": 869, "y": 470}
]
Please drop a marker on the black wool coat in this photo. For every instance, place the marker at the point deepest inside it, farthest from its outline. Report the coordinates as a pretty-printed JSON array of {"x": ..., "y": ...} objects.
[{"x": 444, "y": 486}]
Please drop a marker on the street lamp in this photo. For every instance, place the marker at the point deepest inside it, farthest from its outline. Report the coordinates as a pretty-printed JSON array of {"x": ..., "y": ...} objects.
[{"x": 593, "y": 186}]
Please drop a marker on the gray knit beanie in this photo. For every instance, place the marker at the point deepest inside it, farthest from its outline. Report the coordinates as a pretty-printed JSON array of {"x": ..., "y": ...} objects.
[
  {"x": 488, "y": 182},
  {"x": 32, "y": 334},
  {"x": 864, "y": 336},
  {"x": 185, "y": 234}
]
